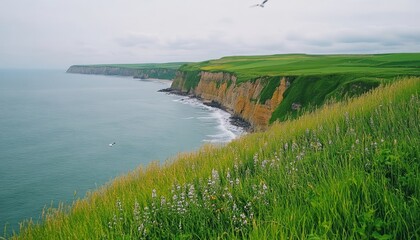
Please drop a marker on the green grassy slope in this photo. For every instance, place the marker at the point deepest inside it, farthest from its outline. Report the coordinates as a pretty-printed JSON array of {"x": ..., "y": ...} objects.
[
  {"x": 349, "y": 170},
  {"x": 315, "y": 79}
]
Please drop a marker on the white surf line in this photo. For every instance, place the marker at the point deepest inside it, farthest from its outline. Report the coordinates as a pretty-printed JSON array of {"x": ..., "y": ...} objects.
[{"x": 226, "y": 131}]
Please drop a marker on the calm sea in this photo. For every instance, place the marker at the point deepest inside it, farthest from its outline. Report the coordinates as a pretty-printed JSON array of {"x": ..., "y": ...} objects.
[{"x": 55, "y": 131}]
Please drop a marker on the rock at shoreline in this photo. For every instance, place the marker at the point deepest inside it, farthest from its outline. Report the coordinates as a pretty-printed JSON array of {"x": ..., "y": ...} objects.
[
  {"x": 240, "y": 122},
  {"x": 173, "y": 91},
  {"x": 215, "y": 105}
]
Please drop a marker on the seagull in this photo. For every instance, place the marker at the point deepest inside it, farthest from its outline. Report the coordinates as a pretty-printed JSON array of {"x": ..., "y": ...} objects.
[
  {"x": 112, "y": 144},
  {"x": 260, "y": 4}
]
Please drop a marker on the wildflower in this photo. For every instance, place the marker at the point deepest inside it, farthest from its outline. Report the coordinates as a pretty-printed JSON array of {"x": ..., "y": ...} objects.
[
  {"x": 162, "y": 201},
  {"x": 119, "y": 205},
  {"x": 242, "y": 215},
  {"x": 114, "y": 219},
  {"x": 229, "y": 195},
  {"x": 229, "y": 178},
  {"x": 154, "y": 193},
  {"x": 264, "y": 163},
  {"x": 228, "y": 174},
  {"x": 236, "y": 167},
  {"x": 294, "y": 146},
  {"x": 357, "y": 141},
  {"x": 234, "y": 207},
  {"x": 214, "y": 174},
  {"x": 191, "y": 192},
  {"x": 264, "y": 187},
  {"x": 140, "y": 228},
  {"x": 255, "y": 160},
  {"x": 375, "y": 144},
  {"x": 136, "y": 211},
  {"x": 276, "y": 157}
]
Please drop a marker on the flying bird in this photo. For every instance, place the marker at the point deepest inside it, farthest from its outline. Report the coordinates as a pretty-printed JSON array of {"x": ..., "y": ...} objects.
[{"x": 260, "y": 4}]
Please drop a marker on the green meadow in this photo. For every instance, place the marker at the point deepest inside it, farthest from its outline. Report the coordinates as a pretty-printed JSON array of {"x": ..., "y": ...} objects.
[
  {"x": 347, "y": 170},
  {"x": 381, "y": 66}
]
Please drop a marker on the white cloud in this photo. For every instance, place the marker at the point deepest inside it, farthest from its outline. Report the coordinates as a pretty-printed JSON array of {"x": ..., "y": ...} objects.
[{"x": 58, "y": 33}]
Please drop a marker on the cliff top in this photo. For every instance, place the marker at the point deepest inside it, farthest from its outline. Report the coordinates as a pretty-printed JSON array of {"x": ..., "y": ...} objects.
[
  {"x": 385, "y": 66},
  {"x": 171, "y": 65}
]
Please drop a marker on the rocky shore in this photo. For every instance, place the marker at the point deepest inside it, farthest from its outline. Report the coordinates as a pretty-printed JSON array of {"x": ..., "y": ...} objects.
[{"x": 235, "y": 120}]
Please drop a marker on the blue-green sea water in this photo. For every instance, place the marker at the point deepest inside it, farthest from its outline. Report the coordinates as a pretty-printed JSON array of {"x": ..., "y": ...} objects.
[{"x": 55, "y": 131}]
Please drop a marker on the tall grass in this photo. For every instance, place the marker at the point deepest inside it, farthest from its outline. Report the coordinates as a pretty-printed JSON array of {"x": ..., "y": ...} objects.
[{"x": 348, "y": 170}]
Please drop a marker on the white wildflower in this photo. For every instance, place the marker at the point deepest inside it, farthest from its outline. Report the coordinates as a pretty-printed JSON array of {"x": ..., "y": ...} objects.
[
  {"x": 162, "y": 201},
  {"x": 264, "y": 187},
  {"x": 136, "y": 211}
]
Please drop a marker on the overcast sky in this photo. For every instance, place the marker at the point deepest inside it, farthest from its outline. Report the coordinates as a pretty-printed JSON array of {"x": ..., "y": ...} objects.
[{"x": 59, "y": 33}]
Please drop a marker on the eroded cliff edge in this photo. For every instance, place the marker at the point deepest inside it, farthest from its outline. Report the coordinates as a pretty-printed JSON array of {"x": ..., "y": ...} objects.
[
  {"x": 266, "y": 99},
  {"x": 254, "y": 101}
]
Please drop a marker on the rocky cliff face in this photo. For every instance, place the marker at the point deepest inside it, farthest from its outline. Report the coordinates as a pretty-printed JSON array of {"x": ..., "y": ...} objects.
[
  {"x": 251, "y": 100},
  {"x": 160, "y": 73}
]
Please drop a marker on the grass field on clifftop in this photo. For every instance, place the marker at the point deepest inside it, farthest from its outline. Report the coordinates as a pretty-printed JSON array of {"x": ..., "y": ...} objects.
[
  {"x": 349, "y": 170},
  {"x": 384, "y": 66},
  {"x": 313, "y": 79},
  {"x": 172, "y": 65}
]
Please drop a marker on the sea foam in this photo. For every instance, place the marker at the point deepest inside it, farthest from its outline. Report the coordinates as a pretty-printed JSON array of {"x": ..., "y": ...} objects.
[{"x": 225, "y": 131}]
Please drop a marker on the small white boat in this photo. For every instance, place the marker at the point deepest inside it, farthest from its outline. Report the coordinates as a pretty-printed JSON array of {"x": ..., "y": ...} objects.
[{"x": 112, "y": 144}]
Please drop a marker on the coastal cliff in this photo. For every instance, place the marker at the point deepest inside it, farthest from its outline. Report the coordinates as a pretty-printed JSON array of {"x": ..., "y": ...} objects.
[
  {"x": 143, "y": 71},
  {"x": 265, "y": 89},
  {"x": 253, "y": 101}
]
